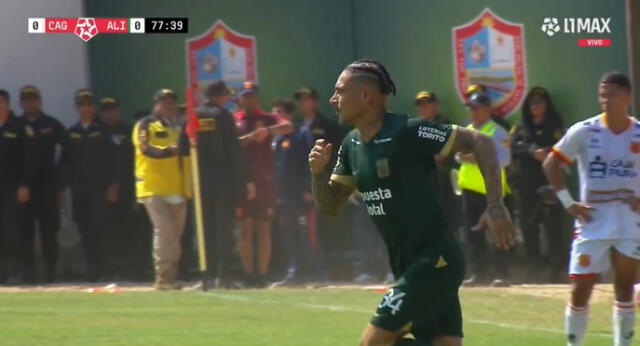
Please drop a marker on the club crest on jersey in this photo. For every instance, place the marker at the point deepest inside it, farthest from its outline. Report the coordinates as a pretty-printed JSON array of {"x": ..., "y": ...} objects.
[
  {"x": 382, "y": 167},
  {"x": 635, "y": 147},
  {"x": 584, "y": 260}
]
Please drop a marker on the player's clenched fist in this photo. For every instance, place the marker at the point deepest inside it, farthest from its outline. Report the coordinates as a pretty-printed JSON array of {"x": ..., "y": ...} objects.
[{"x": 319, "y": 156}]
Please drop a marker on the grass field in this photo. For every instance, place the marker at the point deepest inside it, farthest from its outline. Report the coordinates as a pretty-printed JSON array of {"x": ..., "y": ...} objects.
[{"x": 519, "y": 316}]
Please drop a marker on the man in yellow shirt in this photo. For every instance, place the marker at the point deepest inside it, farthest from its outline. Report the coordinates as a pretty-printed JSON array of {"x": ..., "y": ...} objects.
[{"x": 163, "y": 183}]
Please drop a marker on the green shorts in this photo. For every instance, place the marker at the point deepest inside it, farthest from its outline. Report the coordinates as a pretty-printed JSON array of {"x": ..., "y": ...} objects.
[{"x": 424, "y": 301}]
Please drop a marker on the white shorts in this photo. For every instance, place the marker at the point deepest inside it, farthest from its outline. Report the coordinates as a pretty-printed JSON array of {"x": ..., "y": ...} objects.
[{"x": 593, "y": 256}]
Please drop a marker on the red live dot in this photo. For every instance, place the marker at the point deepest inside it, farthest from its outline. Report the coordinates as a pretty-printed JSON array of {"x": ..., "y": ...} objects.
[{"x": 594, "y": 42}]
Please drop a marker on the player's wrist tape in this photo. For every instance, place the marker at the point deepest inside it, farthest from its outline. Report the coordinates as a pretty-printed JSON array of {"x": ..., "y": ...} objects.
[{"x": 565, "y": 198}]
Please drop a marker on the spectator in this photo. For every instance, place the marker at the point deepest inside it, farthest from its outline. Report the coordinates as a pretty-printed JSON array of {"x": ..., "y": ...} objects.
[
  {"x": 91, "y": 168},
  {"x": 473, "y": 192},
  {"x": 224, "y": 180},
  {"x": 256, "y": 129},
  {"x": 532, "y": 139},
  {"x": 46, "y": 194},
  {"x": 163, "y": 184},
  {"x": 315, "y": 126},
  {"x": 117, "y": 243}
]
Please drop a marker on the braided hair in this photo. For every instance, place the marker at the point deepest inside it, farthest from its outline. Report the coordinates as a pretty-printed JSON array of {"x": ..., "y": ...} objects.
[{"x": 375, "y": 70}]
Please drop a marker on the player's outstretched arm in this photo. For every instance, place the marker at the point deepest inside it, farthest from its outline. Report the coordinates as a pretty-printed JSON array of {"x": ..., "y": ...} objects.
[
  {"x": 496, "y": 216},
  {"x": 329, "y": 195}
]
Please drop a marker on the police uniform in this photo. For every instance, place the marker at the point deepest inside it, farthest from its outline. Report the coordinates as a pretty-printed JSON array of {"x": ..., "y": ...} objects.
[
  {"x": 90, "y": 164},
  {"x": 319, "y": 227},
  {"x": 117, "y": 243},
  {"x": 223, "y": 184},
  {"x": 18, "y": 164},
  {"x": 43, "y": 205},
  {"x": 537, "y": 205}
]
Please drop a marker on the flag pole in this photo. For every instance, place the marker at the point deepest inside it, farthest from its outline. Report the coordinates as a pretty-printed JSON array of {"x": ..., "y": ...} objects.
[{"x": 192, "y": 129}]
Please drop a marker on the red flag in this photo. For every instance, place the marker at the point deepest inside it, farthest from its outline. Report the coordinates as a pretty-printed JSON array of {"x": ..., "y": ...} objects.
[{"x": 193, "y": 125}]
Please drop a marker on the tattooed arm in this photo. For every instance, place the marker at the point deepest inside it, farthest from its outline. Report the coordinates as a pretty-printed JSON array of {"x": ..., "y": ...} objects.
[
  {"x": 330, "y": 196},
  {"x": 496, "y": 216}
]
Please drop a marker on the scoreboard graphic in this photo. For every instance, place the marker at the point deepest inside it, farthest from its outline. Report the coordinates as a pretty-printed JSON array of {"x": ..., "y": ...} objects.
[{"x": 88, "y": 28}]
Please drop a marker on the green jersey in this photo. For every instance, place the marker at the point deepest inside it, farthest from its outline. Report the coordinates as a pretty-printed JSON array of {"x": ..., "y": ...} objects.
[{"x": 396, "y": 173}]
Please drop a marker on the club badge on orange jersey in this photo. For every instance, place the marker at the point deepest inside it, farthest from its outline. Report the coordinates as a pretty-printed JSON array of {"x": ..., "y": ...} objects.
[
  {"x": 584, "y": 260},
  {"x": 635, "y": 147}
]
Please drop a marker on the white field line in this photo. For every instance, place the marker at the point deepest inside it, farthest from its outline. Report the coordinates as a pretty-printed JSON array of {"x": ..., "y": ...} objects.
[{"x": 226, "y": 296}]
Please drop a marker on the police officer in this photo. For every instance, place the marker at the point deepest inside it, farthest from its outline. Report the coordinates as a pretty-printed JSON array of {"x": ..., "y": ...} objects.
[
  {"x": 47, "y": 187},
  {"x": 117, "y": 244},
  {"x": 315, "y": 126},
  {"x": 541, "y": 127},
  {"x": 90, "y": 163},
  {"x": 18, "y": 164},
  {"x": 224, "y": 180}
]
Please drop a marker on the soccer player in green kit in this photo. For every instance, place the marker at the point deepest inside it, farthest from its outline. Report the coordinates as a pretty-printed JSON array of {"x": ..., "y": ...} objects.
[{"x": 389, "y": 158}]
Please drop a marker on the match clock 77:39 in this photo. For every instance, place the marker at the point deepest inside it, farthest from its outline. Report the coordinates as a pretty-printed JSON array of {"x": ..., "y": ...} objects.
[{"x": 166, "y": 25}]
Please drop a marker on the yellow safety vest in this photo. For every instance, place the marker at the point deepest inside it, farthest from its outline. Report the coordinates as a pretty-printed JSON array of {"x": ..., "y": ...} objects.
[
  {"x": 159, "y": 173},
  {"x": 470, "y": 177}
]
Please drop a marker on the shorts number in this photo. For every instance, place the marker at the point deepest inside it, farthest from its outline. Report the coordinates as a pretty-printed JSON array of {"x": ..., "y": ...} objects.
[{"x": 392, "y": 300}]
